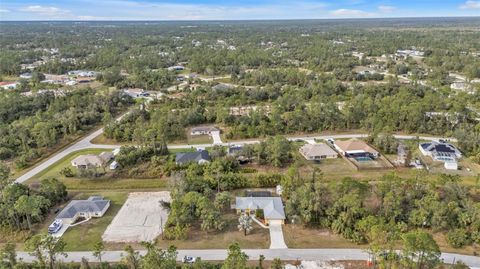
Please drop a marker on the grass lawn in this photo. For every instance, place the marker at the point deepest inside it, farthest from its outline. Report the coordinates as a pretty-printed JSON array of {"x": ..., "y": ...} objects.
[
  {"x": 258, "y": 238},
  {"x": 84, "y": 236},
  {"x": 102, "y": 139},
  {"x": 75, "y": 183},
  {"x": 199, "y": 139},
  {"x": 297, "y": 236}
]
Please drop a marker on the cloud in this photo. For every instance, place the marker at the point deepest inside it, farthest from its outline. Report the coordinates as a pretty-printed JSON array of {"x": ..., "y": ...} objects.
[
  {"x": 350, "y": 13},
  {"x": 52, "y": 12},
  {"x": 471, "y": 5},
  {"x": 386, "y": 9},
  {"x": 4, "y": 10}
]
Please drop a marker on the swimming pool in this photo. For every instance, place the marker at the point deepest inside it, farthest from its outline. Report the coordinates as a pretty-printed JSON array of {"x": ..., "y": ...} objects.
[{"x": 363, "y": 159}]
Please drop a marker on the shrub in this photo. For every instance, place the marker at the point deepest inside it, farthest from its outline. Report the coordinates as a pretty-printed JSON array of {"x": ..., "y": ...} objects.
[
  {"x": 67, "y": 172},
  {"x": 458, "y": 238},
  {"x": 267, "y": 180}
]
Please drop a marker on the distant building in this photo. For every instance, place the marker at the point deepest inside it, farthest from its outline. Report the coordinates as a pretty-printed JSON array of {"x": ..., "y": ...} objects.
[
  {"x": 199, "y": 157},
  {"x": 443, "y": 152},
  {"x": 135, "y": 92},
  {"x": 203, "y": 130},
  {"x": 272, "y": 207},
  {"x": 314, "y": 152},
  {"x": 8, "y": 85},
  {"x": 176, "y": 68},
  {"x": 402, "y": 155},
  {"x": 451, "y": 165},
  {"x": 26, "y": 75}
]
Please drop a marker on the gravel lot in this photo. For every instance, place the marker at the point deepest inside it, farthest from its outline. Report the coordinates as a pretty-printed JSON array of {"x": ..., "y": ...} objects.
[{"x": 139, "y": 219}]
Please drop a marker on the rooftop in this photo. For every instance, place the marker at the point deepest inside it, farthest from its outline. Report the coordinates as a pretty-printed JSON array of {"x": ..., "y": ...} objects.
[
  {"x": 92, "y": 204},
  {"x": 317, "y": 150},
  {"x": 272, "y": 206},
  {"x": 354, "y": 145},
  {"x": 186, "y": 157}
]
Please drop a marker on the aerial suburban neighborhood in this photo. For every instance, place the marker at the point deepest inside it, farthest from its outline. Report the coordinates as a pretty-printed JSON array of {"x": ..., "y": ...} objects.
[{"x": 192, "y": 136}]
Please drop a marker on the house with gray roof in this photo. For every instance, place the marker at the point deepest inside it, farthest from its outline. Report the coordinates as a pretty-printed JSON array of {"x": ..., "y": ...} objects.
[
  {"x": 199, "y": 157},
  {"x": 93, "y": 207},
  {"x": 316, "y": 152},
  {"x": 203, "y": 130},
  {"x": 272, "y": 207}
]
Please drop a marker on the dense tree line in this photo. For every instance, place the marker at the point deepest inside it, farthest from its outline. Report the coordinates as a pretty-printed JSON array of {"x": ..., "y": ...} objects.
[{"x": 30, "y": 125}]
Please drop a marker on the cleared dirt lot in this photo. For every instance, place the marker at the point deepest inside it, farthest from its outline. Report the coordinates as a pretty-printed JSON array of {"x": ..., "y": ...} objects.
[{"x": 139, "y": 219}]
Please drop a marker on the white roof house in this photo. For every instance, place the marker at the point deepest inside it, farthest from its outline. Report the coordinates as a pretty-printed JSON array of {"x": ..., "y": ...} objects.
[
  {"x": 272, "y": 206},
  {"x": 203, "y": 130},
  {"x": 451, "y": 165},
  {"x": 92, "y": 160},
  {"x": 94, "y": 206},
  {"x": 317, "y": 152},
  {"x": 440, "y": 151}
]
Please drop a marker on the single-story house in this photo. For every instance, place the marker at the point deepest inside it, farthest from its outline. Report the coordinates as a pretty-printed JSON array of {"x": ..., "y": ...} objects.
[
  {"x": 272, "y": 207},
  {"x": 26, "y": 75},
  {"x": 440, "y": 151},
  {"x": 135, "y": 92},
  {"x": 199, "y": 157},
  {"x": 222, "y": 87},
  {"x": 8, "y": 85},
  {"x": 94, "y": 206},
  {"x": 355, "y": 148},
  {"x": 92, "y": 160},
  {"x": 234, "y": 150},
  {"x": 203, "y": 130},
  {"x": 318, "y": 151},
  {"x": 176, "y": 68}
]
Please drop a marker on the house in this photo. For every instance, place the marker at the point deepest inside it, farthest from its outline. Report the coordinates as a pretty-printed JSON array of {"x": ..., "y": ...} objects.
[
  {"x": 176, "y": 68},
  {"x": 26, "y": 75},
  {"x": 319, "y": 151},
  {"x": 8, "y": 85},
  {"x": 94, "y": 206},
  {"x": 355, "y": 148},
  {"x": 135, "y": 92},
  {"x": 203, "y": 130},
  {"x": 199, "y": 157},
  {"x": 272, "y": 207},
  {"x": 440, "y": 151},
  {"x": 92, "y": 160},
  {"x": 222, "y": 87}
]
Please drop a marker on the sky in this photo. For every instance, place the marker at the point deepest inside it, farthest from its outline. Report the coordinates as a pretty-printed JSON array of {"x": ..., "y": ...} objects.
[{"x": 26, "y": 10}]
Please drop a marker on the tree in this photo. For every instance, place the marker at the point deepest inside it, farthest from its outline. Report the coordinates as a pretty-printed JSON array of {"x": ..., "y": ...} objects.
[
  {"x": 132, "y": 259},
  {"x": 260, "y": 261},
  {"x": 236, "y": 259},
  {"x": 52, "y": 247},
  {"x": 34, "y": 246},
  {"x": 98, "y": 250},
  {"x": 222, "y": 200},
  {"x": 419, "y": 247},
  {"x": 276, "y": 264},
  {"x": 8, "y": 255},
  {"x": 156, "y": 258},
  {"x": 245, "y": 223},
  {"x": 84, "y": 264},
  {"x": 31, "y": 207}
]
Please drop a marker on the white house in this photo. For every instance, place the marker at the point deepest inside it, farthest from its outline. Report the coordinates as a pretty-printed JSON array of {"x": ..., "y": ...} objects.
[
  {"x": 443, "y": 152},
  {"x": 451, "y": 165},
  {"x": 93, "y": 207},
  {"x": 203, "y": 130}
]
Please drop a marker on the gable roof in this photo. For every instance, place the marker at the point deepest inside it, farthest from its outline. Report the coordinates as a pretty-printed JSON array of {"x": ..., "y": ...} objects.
[
  {"x": 205, "y": 129},
  {"x": 354, "y": 145},
  {"x": 186, "y": 157},
  {"x": 87, "y": 160},
  {"x": 272, "y": 206},
  {"x": 92, "y": 204},
  {"x": 319, "y": 149}
]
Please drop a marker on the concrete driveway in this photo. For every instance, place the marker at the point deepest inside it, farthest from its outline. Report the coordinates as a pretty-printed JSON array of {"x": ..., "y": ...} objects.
[
  {"x": 217, "y": 140},
  {"x": 276, "y": 235}
]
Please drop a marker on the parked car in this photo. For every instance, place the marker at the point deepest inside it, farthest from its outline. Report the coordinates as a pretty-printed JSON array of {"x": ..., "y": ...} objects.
[
  {"x": 188, "y": 259},
  {"x": 55, "y": 226}
]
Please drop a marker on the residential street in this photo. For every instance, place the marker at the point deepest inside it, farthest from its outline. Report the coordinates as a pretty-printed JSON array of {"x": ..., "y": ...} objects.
[
  {"x": 85, "y": 143},
  {"x": 270, "y": 254}
]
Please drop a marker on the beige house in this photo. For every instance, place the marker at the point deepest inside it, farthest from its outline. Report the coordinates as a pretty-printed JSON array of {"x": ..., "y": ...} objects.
[
  {"x": 313, "y": 152},
  {"x": 92, "y": 160},
  {"x": 355, "y": 148}
]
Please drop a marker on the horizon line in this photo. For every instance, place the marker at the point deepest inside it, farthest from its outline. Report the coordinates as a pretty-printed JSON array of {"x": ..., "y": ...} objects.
[{"x": 232, "y": 20}]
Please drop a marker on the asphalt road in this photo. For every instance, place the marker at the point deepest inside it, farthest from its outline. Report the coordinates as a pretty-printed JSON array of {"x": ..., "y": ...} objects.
[{"x": 270, "y": 254}]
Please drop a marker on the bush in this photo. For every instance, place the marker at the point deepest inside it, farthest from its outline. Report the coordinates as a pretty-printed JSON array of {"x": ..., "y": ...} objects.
[
  {"x": 266, "y": 180},
  {"x": 67, "y": 172},
  {"x": 458, "y": 238}
]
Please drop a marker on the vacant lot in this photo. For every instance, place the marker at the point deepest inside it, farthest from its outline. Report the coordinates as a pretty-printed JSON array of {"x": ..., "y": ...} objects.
[
  {"x": 141, "y": 218},
  {"x": 297, "y": 236},
  {"x": 258, "y": 238}
]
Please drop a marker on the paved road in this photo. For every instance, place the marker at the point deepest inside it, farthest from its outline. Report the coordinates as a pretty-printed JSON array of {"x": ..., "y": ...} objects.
[{"x": 270, "y": 254}]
